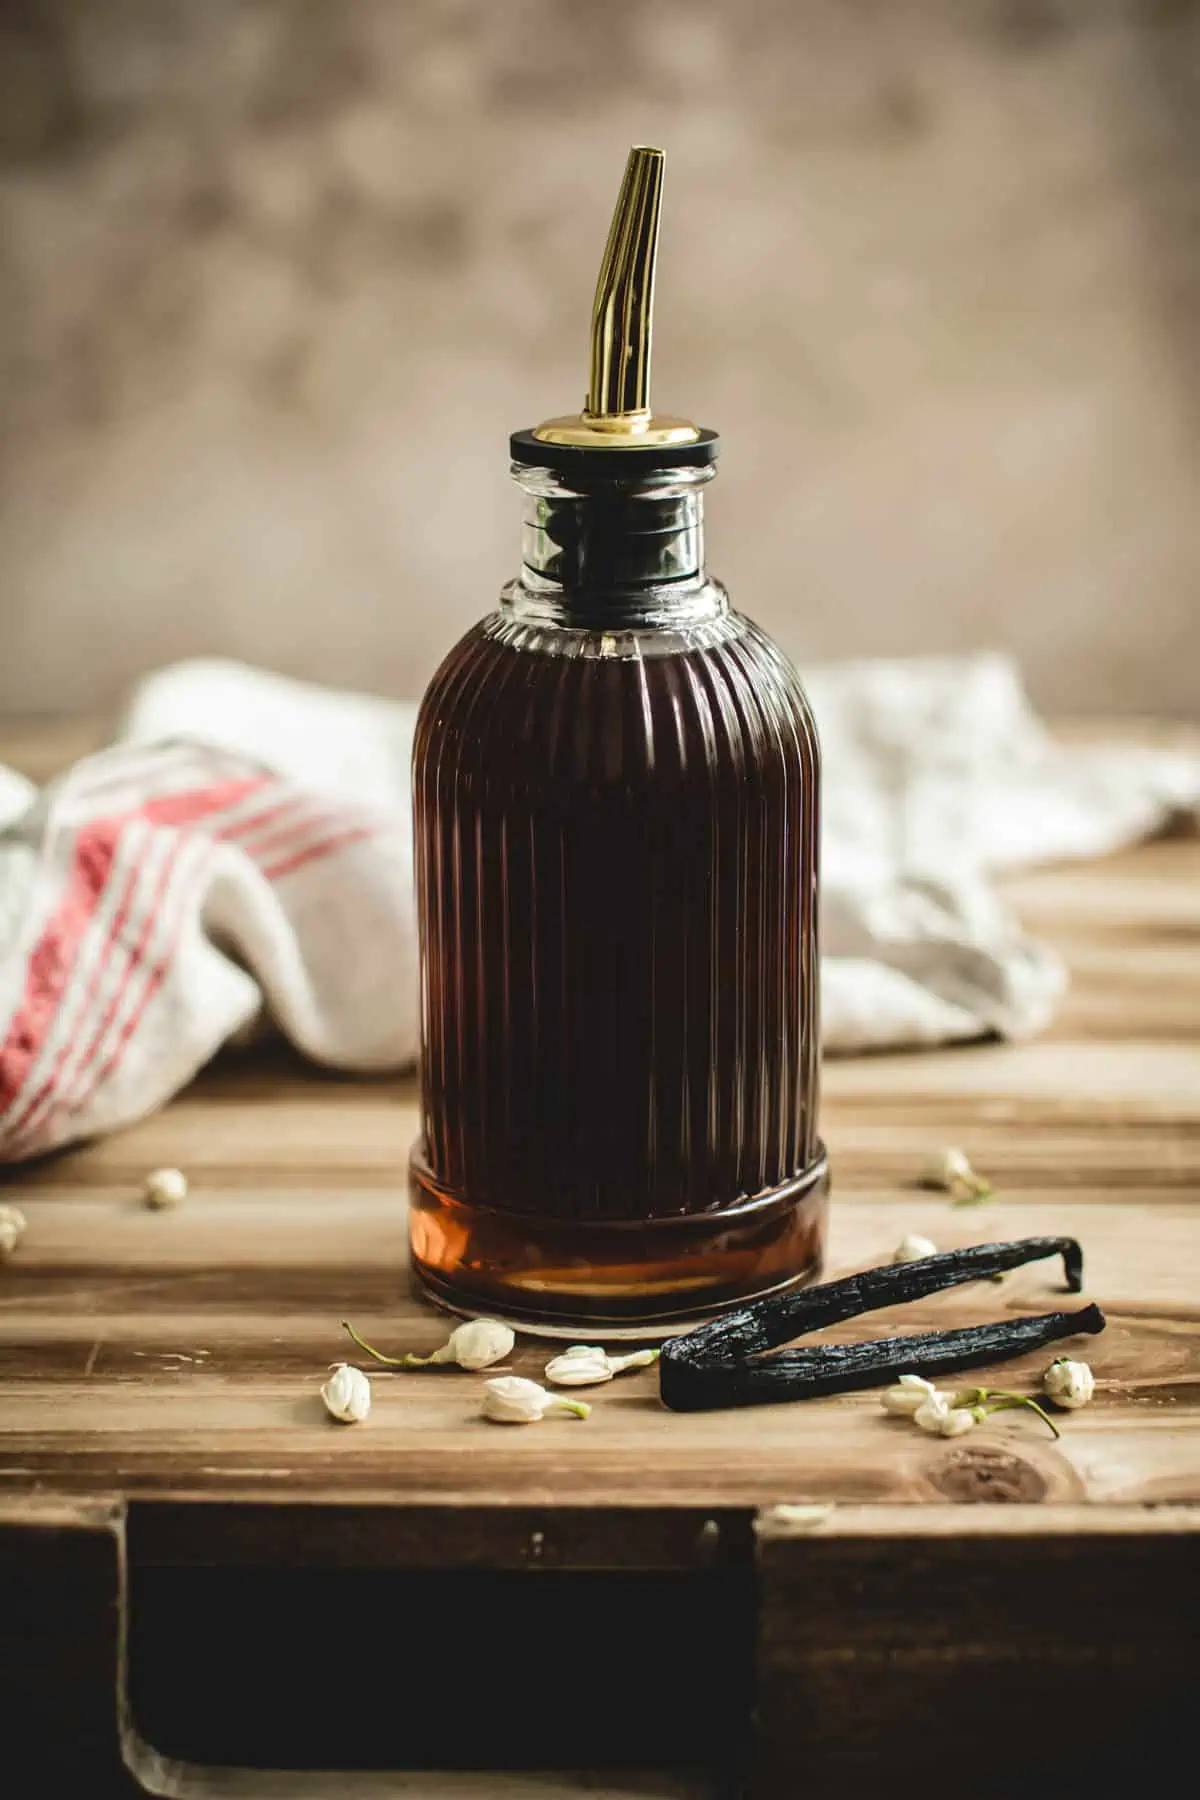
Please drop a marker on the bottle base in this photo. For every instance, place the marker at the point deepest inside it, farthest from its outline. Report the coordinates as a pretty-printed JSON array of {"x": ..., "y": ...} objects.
[{"x": 621, "y": 1279}]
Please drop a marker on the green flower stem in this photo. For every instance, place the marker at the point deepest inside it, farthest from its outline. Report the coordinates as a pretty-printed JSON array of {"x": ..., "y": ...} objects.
[
  {"x": 977, "y": 1189},
  {"x": 393, "y": 1362},
  {"x": 983, "y": 1401},
  {"x": 580, "y": 1408}
]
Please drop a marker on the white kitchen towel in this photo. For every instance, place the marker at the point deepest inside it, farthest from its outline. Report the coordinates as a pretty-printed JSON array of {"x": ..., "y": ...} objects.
[{"x": 242, "y": 858}]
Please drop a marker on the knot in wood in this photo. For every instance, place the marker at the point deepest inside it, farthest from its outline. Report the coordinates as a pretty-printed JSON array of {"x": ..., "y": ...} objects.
[{"x": 982, "y": 1472}]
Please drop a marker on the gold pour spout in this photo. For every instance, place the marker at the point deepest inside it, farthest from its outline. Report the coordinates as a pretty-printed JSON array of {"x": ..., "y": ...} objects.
[
  {"x": 617, "y": 414},
  {"x": 623, "y": 310}
]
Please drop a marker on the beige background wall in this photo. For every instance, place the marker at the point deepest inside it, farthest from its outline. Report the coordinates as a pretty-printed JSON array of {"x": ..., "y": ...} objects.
[{"x": 278, "y": 276}]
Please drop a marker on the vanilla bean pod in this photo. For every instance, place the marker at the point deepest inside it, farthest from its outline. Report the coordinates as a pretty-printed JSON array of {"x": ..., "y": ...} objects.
[
  {"x": 719, "y": 1364},
  {"x": 767, "y": 1324},
  {"x": 701, "y": 1386}
]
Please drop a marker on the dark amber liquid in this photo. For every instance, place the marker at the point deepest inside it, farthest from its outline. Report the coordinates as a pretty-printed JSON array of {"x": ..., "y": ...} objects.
[{"x": 617, "y": 866}]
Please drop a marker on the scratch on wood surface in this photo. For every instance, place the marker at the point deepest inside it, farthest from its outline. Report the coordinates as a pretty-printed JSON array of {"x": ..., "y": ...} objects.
[
  {"x": 219, "y": 1469},
  {"x": 1150, "y": 1382},
  {"x": 1164, "y": 1312},
  {"x": 93, "y": 1353},
  {"x": 121, "y": 1289}
]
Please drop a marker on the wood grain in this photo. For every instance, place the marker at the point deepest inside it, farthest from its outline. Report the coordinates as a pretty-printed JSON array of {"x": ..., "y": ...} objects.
[
  {"x": 181, "y": 1352},
  {"x": 159, "y": 1376},
  {"x": 1007, "y": 1657}
]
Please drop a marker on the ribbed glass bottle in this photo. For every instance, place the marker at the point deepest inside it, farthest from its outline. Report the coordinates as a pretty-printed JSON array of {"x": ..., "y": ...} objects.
[{"x": 616, "y": 783}]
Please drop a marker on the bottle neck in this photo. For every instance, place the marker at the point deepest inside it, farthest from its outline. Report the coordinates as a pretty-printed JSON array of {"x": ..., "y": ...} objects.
[{"x": 614, "y": 553}]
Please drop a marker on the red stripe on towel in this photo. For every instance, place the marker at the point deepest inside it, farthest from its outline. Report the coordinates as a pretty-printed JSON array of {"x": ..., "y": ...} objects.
[
  {"x": 55, "y": 956},
  {"x": 49, "y": 1100},
  {"x": 317, "y": 852},
  {"x": 52, "y": 960},
  {"x": 156, "y": 971}
]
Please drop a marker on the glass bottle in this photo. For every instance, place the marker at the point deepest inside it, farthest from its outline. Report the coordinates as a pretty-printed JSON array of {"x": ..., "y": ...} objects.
[{"x": 616, "y": 783}]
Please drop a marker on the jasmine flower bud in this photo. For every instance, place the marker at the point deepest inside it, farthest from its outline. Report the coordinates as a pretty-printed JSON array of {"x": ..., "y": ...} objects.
[
  {"x": 347, "y": 1394},
  {"x": 908, "y": 1395},
  {"x": 476, "y": 1344},
  {"x": 913, "y": 1248},
  {"x": 1069, "y": 1384},
  {"x": 164, "y": 1188},
  {"x": 934, "y": 1402},
  {"x": 585, "y": 1365},
  {"x": 950, "y": 1171},
  {"x": 12, "y": 1229},
  {"x": 942, "y": 1419},
  {"x": 512, "y": 1400}
]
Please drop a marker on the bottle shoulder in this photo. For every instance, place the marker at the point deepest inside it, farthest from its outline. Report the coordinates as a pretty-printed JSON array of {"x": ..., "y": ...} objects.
[
  {"x": 604, "y": 705},
  {"x": 536, "y": 637}
]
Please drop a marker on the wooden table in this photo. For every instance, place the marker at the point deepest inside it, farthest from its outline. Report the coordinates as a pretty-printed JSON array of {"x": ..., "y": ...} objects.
[{"x": 815, "y": 1595}]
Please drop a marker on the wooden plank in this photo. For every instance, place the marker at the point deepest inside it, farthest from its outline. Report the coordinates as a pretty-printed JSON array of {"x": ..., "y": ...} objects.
[
  {"x": 181, "y": 1352},
  {"x": 228, "y": 1534},
  {"x": 58, "y": 1561},
  {"x": 1001, "y": 1643},
  {"x": 171, "y": 1361},
  {"x": 87, "y": 1669}
]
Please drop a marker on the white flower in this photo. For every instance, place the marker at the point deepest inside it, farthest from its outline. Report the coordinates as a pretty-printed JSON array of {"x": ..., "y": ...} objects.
[
  {"x": 12, "y": 1229},
  {"x": 908, "y": 1396},
  {"x": 943, "y": 1420},
  {"x": 913, "y": 1248},
  {"x": 164, "y": 1188},
  {"x": 585, "y": 1365},
  {"x": 476, "y": 1344},
  {"x": 1069, "y": 1384},
  {"x": 347, "y": 1394},
  {"x": 956, "y": 1421},
  {"x": 512, "y": 1400},
  {"x": 951, "y": 1171},
  {"x": 934, "y": 1403}
]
